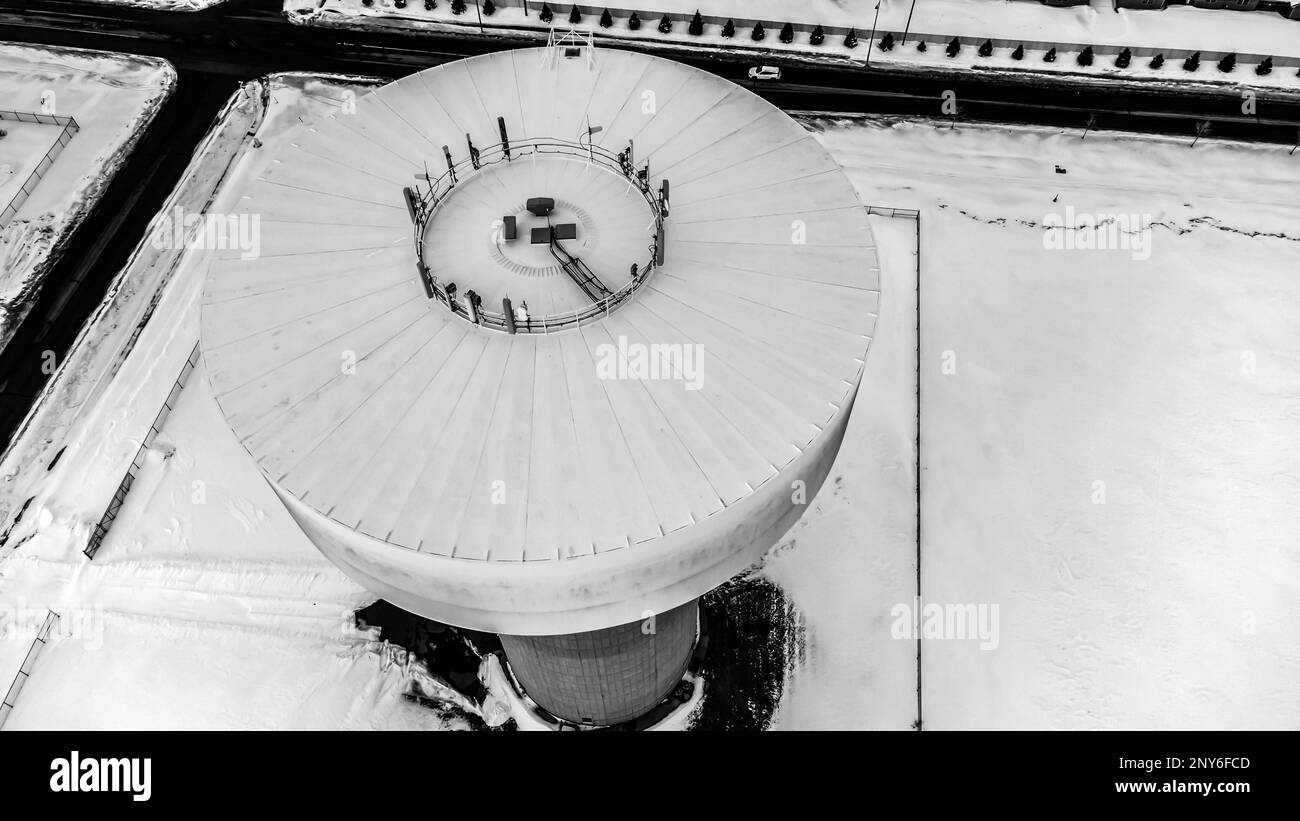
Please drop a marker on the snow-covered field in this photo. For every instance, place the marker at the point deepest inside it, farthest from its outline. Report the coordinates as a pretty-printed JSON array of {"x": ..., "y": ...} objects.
[
  {"x": 25, "y": 145},
  {"x": 1162, "y": 597},
  {"x": 1109, "y": 443},
  {"x": 113, "y": 97}
]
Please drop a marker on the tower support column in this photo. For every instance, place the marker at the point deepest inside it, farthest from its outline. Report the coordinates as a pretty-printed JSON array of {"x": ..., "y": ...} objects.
[{"x": 606, "y": 676}]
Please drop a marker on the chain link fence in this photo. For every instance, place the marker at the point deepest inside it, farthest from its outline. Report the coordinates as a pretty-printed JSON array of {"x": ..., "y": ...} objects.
[{"x": 69, "y": 128}]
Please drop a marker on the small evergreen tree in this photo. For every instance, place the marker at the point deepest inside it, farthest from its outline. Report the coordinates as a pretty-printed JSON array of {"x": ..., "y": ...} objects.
[
  {"x": 458, "y": 6},
  {"x": 953, "y": 47},
  {"x": 575, "y": 16},
  {"x": 817, "y": 37},
  {"x": 1157, "y": 61},
  {"x": 758, "y": 33},
  {"x": 696, "y": 28},
  {"x": 1228, "y": 63},
  {"x": 429, "y": 5},
  {"x": 1050, "y": 56},
  {"x": 545, "y": 15},
  {"x": 787, "y": 34},
  {"x": 986, "y": 48},
  {"x": 1085, "y": 56},
  {"x": 367, "y": 3},
  {"x": 1265, "y": 66},
  {"x": 634, "y": 22},
  {"x": 401, "y": 4},
  {"x": 887, "y": 42},
  {"x": 1019, "y": 53},
  {"x": 665, "y": 25},
  {"x": 1124, "y": 58},
  {"x": 1192, "y": 63},
  {"x": 1202, "y": 128},
  {"x": 851, "y": 39},
  {"x": 728, "y": 29},
  {"x": 489, "y": 8},
  {"x": 921, "y": 46},
  {"x": 606, "y": 19}
]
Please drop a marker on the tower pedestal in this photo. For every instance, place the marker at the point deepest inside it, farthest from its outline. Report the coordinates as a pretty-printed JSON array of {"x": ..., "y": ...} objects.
[{"x": 605, "y": 676}]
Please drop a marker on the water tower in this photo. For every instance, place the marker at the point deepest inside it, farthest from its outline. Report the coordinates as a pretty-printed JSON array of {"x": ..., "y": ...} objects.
[{"x": 549, "y": 343}]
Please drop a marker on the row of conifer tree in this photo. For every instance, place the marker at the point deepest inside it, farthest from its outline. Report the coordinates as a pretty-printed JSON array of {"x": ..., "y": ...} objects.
[{"x": 818, "y": 36}]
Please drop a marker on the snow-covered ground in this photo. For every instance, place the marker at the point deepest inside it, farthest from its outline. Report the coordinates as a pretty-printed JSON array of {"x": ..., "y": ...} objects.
[
  {"x": 213, "y": 610},
  {"x": 1162, "y": 597},
  {"x": 113, "y": 97},
  {"x": 1175, "y": 32},
  {"x": 26, "y": 144},
  {"x": 1109, "y": 443}
]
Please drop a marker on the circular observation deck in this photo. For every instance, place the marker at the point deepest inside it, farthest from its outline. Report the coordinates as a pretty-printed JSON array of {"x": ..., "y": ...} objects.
[
  {"x": 565, "y": 476},
  {"x": 480, "y": 233}
]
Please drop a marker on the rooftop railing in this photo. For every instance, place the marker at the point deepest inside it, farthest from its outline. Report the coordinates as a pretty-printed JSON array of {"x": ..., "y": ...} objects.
[{"x": 424, "y": 202}]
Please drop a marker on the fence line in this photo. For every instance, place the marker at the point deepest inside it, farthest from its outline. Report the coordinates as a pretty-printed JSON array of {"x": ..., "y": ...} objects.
[
  {"x": 70, "y": 128},
  {"x": 886, "y": 211},
  {"x": 119, "y": 497},
  {"x": 37, "y": 117},
  {"x": 25, "y": 669},
  {"x": 914, "y": 215}
]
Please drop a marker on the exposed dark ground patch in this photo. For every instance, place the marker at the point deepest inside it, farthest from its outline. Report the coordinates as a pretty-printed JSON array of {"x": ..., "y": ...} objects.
[
  {"x": 755, "y": 635},
  {"x": 450, "y": 653}
]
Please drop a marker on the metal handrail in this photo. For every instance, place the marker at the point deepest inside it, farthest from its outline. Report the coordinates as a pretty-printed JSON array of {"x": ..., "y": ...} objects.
[
  {"x": 579, "y": 272},
  {"x": 428, "y": 200},
  {"x": 441, "y": 185}
]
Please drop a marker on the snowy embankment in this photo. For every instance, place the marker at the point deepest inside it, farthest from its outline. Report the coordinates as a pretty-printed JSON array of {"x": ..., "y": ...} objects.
[
  {"x": 1175, "y": 33},
  {"x": 113, "y": 98},
  {"x": 1108, "y": 441}
]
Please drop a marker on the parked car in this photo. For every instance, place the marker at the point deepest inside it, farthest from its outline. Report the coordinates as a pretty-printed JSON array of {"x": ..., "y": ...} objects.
[{"x": 765, "y": 73}]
